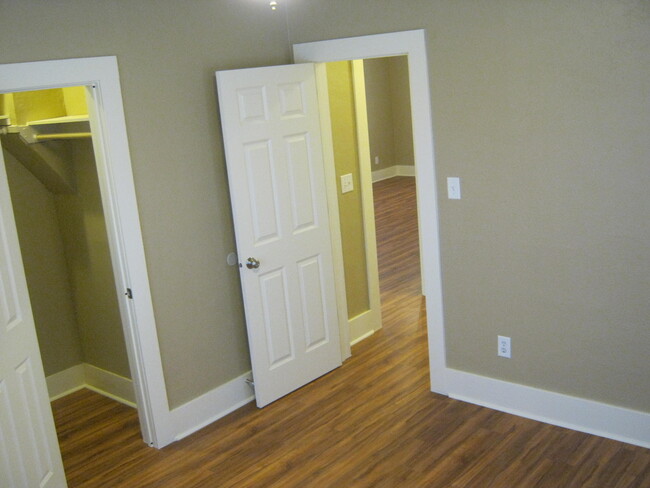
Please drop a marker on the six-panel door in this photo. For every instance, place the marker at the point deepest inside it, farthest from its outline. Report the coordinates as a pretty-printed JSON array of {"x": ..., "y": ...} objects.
[
  {"x": 29, "y": 449},
  {"x": 271, "y": 127}
]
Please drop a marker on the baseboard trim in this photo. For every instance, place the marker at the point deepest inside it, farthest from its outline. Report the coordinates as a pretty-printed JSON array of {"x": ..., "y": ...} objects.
[
  {"x": 364, "y": 336},
  {"x": 110, "y": 385},
  {"x": 392, "y": 171},
  {"x": 96, "y": 379},
  {"x": 211, "y": 406},
  {"x": 65, "y": 382},
  {"x": 361, "y": 327},
  {"x": 579, "y": 414}
]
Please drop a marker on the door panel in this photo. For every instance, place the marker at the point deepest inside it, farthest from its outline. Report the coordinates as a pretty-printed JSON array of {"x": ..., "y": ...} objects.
[
  {"x": 271, "y": 129},
  {"x": 29, "y": 447}
]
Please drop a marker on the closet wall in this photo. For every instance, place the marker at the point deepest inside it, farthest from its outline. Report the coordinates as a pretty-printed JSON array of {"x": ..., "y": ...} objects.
[{"x": 46, "y": 269}]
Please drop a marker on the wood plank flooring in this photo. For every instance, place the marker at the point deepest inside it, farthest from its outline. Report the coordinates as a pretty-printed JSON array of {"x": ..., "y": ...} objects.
[{"x": 371, "y": 423}]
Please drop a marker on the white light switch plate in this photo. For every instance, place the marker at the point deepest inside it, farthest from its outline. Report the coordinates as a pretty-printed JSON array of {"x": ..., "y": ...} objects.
[
  {"x": 453, "y": 188},
  {"x": 346, "y": 183}
]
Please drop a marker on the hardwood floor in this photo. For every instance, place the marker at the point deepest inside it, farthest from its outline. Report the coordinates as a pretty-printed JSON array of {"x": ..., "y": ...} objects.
[{"x": 371, "y": 423}]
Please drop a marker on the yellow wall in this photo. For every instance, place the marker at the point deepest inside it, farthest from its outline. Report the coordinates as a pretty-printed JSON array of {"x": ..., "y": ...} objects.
[
  {"x": 7, "y": 105},
  {"x": 37, "y": 105},
  {"x": 74, "y": 99},
  {"x": 28, "y": 106},
  {"x": 344, "y": 135}
]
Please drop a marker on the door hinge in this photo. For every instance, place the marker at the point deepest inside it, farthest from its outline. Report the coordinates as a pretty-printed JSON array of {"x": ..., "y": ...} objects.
[{"x": 129, "y": 293}]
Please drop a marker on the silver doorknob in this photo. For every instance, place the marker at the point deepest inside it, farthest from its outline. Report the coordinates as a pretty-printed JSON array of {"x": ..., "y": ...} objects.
[{"x": 252, "y": 263}]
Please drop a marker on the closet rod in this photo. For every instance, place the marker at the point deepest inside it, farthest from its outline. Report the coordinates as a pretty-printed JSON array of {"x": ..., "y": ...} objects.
[{"x": 71, "y": 135}]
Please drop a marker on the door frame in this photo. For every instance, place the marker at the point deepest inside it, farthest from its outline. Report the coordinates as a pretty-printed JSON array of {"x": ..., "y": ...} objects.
[
  {"x": 413, "y": 45},
  {"x": 370, "y": 321},
  {"x": 100, "y": 76}
]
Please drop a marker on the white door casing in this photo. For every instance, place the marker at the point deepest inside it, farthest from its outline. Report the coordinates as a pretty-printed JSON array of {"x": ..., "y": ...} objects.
[
  {"x": 271, "y": 126},
  {"x": 101, "y": 77},
  {"x": 29, "y": 448},
  {"x": 412, "y": 44}
]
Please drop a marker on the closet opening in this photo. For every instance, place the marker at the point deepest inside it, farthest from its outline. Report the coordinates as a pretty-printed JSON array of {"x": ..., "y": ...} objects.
[{"x": 55, "y": 192}]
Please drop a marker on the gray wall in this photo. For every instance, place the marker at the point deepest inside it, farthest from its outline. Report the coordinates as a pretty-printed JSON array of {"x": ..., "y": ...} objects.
[
  {"x": 43, "y": 255},
  {"x": 65, "y": 252},
  {"x": 389, "y": 111},
  {"x": 83, "y": 230},
  {"x": 541, "y": 108},
  {"x": 167, "y": 53}
]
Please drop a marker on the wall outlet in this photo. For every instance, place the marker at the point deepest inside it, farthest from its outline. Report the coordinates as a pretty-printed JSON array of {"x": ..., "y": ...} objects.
[
  {"x": 377, "y": 160},
  {"x": 504, "y": 348},
  {"x": 346, "y": 183}
]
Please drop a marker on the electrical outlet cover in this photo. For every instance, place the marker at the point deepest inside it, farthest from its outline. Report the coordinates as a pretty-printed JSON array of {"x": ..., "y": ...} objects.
[
  {"x": 346, "y": 183},
  {"x": 504, "y": 347}
]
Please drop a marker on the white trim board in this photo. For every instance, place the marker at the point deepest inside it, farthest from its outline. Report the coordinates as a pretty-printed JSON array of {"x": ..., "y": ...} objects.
[
  {"x": 110, "y": 384},
  {"x": 65, "y": 382},
  {"x": 186, "y": 419},
  {"x": 392, "y": 171},
  {"x": 372, "y": 318},
  {"x": 574, "y": 413},
  {"x": 363, "y": 325},
  {"x": 211, "y": 406},
  {"x": 333, "y": 206},
  {"x": 96, "y": 379}
]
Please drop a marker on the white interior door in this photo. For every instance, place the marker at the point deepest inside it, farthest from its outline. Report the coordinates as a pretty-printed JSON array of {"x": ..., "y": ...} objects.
[
  {"x": 29, "y": 449},
  {"x": 271, "y": 127}
]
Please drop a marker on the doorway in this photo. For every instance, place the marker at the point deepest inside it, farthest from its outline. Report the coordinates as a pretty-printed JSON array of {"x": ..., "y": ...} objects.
[
  {"x": 100, "y": 79},
  {"x": 370, "y": 112},
  {"x": 57, "y": 205},
  {"x": 413, "y": 45},
  {"x": 394, "y": 188}
]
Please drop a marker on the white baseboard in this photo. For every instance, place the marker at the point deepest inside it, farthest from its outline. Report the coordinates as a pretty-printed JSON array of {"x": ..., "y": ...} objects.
[
  {"x": 207, "y": 408},
  {"x": 362, "y": 326},
  {"x": 391, "y": 171},
  {"x": 110, "y": 385},
  {"x": 362, "y": 337},
  {"x": 88, "y": 376},
  {"x": 65, "y": 382},
  {"x": 588, "y": 416}
]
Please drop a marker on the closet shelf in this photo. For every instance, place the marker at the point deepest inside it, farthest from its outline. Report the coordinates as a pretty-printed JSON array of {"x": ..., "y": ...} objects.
[
  {"x": 58, "y": 128},
  {"x": 67, "y": 127}
]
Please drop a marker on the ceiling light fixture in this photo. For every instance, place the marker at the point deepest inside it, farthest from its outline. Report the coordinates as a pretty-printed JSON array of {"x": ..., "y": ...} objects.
[{"x": 273, "y": 4}]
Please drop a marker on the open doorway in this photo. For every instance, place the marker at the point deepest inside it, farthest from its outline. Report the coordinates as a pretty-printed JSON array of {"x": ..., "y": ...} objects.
[
  {"x": 99, "y": 78},
  {"x": 390, "y": 137},
  {"x": 413, "y": 45},
  {"x": 53, "y": 183},
  {"x": 370, "y": 112},
  {"x": 57, "y": 204}
]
